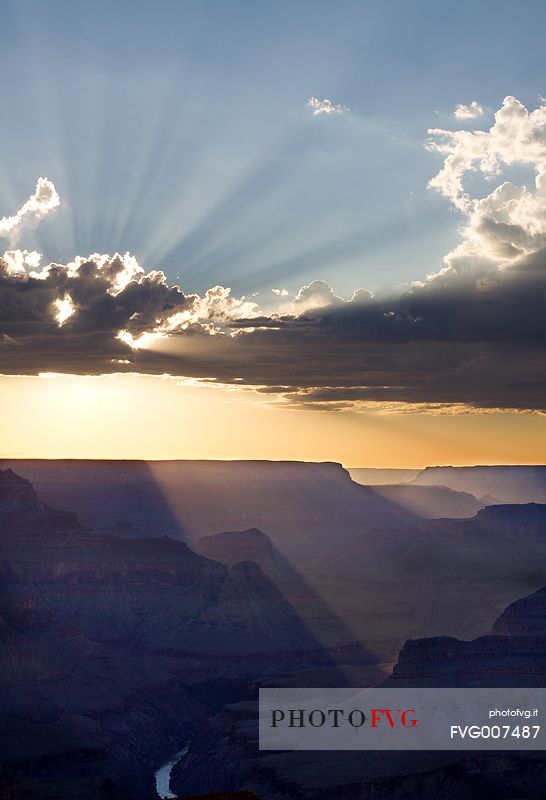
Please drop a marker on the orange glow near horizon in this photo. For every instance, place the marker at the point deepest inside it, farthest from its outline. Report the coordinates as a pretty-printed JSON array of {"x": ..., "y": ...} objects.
[{"x": 152, "y": 418}]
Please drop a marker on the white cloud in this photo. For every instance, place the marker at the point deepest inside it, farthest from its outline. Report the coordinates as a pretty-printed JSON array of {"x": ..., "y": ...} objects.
[
  {"x": 362, "y": 296},
  {"x": 507, "y": 226},
  {"x": 517, "y": 136},
  {"x": 218, "y": 305},
  {"x": 20, "y": 260},
  {"x": 316, "y": 294},
  {"x": 471, "y": 111},
  {"x": 44, "y": 200},
  {"x": 119, "y": 269},
  {"x": 212, "y": 312},
  {"x": 325, "y": 107}
]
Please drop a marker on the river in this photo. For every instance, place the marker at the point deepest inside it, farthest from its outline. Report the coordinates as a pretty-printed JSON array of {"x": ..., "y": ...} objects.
[{"x": 163, "y": 774}]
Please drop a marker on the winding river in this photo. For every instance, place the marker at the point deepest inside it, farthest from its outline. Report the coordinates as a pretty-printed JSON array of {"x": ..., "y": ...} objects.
[{"x": 163, "y": 774}]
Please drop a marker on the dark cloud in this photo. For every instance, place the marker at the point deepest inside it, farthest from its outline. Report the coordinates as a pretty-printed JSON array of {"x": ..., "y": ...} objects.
[
  {"x": 474, "y": 334},
  {"x": 476, "y": 340},
  {"x": 101, "y": 306}
]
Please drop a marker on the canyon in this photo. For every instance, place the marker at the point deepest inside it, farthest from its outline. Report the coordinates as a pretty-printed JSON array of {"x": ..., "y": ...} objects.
[{"x": 129, "y": 626}]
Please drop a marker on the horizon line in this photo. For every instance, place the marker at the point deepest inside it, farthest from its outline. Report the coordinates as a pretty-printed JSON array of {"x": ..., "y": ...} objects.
[{"x": 269, "y": 461}]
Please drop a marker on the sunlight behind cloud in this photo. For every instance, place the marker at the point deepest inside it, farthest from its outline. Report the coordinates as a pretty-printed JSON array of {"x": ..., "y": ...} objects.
[{"x": 64, "y": 309}]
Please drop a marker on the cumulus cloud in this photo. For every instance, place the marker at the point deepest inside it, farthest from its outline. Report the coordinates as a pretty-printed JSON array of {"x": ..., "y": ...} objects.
[
  {"x": 471, "y": 345},
  {"x": 38, "y": 205},
  {"x": 325, "y": 106},
  {"x": 20, "y": 260},
  {"x": 219, "y": 306},
  {"x": 516, "y": 137},
  {"x": 316, "y": 294},
  {"x": 472, "y": 335},
  {"x": 506, "y": 228},
  {"x": 90, "y": 312},
  {"x": 471, "y": 111}
]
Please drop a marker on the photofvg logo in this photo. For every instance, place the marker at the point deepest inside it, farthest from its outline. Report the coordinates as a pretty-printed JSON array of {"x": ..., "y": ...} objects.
[
  {"x": 336, "y": 717},
  {"x": 401, "y": 719}
]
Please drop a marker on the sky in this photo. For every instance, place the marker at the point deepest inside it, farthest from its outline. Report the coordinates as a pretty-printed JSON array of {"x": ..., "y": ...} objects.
[{"x": 308, "y": 230}]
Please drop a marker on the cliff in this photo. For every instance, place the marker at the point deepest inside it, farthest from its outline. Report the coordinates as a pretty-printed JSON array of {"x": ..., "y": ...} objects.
[
  {"x": 225, "y": 750},
  {"x": 229, "y": 547},
  {"x": 431, "y": 502},
  {"x": 513, "y": 655},
  {"x": 525, "y": 617},
  {"x": 112, "y": 649},
  {"x": 512, "y": 484},
  {"x": 306, "y": 509}
]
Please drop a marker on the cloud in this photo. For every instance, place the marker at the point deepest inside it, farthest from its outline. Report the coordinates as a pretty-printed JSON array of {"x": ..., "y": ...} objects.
[
  {"x": 104, "y": 294},
  {"x": 325, "y": 106},
  {"x": 38, "y": 205},
  {"x": 470, "y": 336},
  {"x": 477, "y": 345},
  {"x": 505, "y": 229},
  {"x": 20, "y": 260},
  {"x": 516, "y": 137},
  {"x": 471, "y": 111},
  {"x": 315, "y": 295},
  {"x": 94, "y": 311}
]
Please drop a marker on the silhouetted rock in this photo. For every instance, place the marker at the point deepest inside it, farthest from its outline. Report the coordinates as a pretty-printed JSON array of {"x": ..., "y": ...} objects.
[
  {"x": 513, "y": 519},
  {"x": 306, "y": 509},
  {"x": 115, "y": 649},
  {"x": 524, "y": 617},
  {"x": 225, "y": 749},
  {"x": 368, "y": 476},
  {"x": 513, "y": 655},
  {"x": 16, "y": 493},
  {"x": 11, "y": 788},
  {"x": 513, "y": 484},
  {"x": 126, "y": 530},
  {"x": 486, "y": 661},
  {"x": 229, "y": 547},
  {"x": 244, "y": 795},
  {"x": 431, "y": 502},
  {"x": 107, "y": 643}
]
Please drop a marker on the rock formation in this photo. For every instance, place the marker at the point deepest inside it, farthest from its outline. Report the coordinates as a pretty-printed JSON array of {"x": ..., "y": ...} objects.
[
  {"x": 512, "y": 484},
  {"x": 305, "y": 509},
  {"x": 112, "y": 649}
]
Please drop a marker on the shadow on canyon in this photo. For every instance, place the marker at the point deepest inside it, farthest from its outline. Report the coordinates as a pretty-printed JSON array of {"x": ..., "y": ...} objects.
[{"x": 120, "y": 641}]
